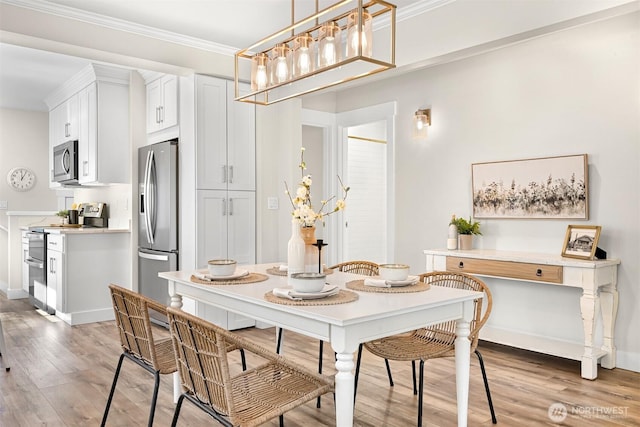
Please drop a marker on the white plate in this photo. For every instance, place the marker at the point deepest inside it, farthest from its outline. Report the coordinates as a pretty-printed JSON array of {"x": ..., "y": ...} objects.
[
  {"x": 411, "y": 280},
  {"x": 240, "y": 272},
  {"x": 327, "y": 291}
]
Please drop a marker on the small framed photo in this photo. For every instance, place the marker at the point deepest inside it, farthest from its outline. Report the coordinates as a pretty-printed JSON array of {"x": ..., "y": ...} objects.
[{"x": 581, "y": 241}]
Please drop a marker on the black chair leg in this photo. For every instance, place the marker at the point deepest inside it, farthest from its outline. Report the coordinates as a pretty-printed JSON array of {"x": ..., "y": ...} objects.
[
  {"x": 154, "y": 399},
  {"x": 420, "y": 393},
  {"x": 386, "y": 362},
  {"x": 355, "y": 383},
  {"x": 113, "y": 389},
  {"x": 244, "y": 359},
  {"x": 279, "y": 340},
  {"x": 281, "y": 420},
  {"x": 486, "y": 387},
  {"x": 320, "y": 354},
  {"x": 413, "y": 369},
  {"x": 176, "y": 413}
]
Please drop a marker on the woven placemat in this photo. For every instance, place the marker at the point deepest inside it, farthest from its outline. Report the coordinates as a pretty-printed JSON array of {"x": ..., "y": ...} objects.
[
  {"x": 341, "y": 297},
  {"x": 358, "y": 285},
  {"x": 249, "y": 278},
  {"x": 277, "y": 272}
]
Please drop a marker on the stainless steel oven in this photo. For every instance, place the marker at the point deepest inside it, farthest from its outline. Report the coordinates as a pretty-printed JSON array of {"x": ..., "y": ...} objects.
[
  {"x": 37, "y": 262},
  {"x": 65, "y": 163}
]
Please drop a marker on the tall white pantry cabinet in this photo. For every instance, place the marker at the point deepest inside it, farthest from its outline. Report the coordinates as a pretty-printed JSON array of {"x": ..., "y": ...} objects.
[{"x": 225, "y": 182}]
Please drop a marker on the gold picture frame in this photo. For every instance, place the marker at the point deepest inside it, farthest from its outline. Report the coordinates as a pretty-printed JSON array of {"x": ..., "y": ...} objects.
[{"x": 581, "y": 241}]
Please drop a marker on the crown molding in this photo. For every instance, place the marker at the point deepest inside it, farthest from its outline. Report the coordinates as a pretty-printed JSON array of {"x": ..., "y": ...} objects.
[
  {"x": 121, "y": 25},
  {"x": 44, "y": 6}
]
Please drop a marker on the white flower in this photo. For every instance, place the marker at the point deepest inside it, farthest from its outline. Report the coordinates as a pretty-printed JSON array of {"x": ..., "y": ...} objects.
[{"x": 302, "y": 207}]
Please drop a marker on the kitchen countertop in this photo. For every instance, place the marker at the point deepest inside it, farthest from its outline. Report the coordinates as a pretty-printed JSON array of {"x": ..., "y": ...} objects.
[{"x": 83, "y": 230}]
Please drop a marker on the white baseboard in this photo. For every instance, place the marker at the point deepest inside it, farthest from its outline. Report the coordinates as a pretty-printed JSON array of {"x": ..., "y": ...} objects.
[
  {"x": 17, "y": 294},
  {"x": 628, "y": 360},
  {"x": 83, "y": 317},
  {"x": 555, "y": 347}
]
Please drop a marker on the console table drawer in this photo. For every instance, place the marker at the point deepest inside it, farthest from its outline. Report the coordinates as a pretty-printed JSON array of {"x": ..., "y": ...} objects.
[{"x": 507, "y": 269}]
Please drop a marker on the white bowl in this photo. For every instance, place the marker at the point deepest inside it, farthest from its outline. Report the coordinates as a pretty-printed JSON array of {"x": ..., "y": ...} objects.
[
  {"x": 393, "y": 271},
  {"x": 307, "y": 282},
  {"x": 222, "y": 267}
]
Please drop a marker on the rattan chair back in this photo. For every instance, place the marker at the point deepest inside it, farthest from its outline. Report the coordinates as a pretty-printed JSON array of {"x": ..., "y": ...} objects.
[
  {"x": 249, "y": 398},
  {"x": 366, "y": 268},
  {"x": 482, "y": 307},
  {"x": 131, "y": 311}
]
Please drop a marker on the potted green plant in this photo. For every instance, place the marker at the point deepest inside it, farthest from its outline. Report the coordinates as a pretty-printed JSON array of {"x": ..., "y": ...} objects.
[
  {"x": 466, "y": 230},
  {"x": 64, "y": 214}
]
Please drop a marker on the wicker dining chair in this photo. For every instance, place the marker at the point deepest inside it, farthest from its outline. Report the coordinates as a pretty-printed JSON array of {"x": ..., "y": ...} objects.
[
  {"x": 436, "y": 340},
  {"x": 138, "y": 344},
  {"x": 366, "y": 268},
  {"x": 251, "y": 397}
]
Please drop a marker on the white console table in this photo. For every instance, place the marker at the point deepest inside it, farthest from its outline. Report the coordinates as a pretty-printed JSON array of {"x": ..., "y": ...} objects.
[{"x": 597, "y": 279}]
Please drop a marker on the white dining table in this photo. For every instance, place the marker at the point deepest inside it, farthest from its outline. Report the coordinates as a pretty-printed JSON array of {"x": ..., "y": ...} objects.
[{"x": 345, "y": 326}]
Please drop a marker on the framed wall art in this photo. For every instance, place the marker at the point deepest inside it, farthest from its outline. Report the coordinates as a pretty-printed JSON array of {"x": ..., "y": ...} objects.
[
  {"x": 581, "y": 241},
  {"x": 548, "y": 188}
]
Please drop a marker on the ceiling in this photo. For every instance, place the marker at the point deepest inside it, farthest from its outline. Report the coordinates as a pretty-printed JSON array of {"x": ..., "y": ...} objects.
[{"x": 28, "y": 75}]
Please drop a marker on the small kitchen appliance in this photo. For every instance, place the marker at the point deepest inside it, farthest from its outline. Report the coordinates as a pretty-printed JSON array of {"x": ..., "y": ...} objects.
[{"x": 94, "y": 214}]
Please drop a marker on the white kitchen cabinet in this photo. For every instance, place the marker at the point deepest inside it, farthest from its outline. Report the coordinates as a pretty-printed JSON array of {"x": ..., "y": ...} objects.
[
  {"x": 64, "y": 121},
  {"x": 225, "y": 182},
  {"x": 93, "y": 108},
  {"x": 64, "y": 125},
  {"x": 162, "y": 103},
  {"x": 55, "y": 270},
  {"x": 80, "y": 266},
  {"x": 225, "y": 135},
  {"x": 103, "y": 142},
  {"x": 226, "y": 226}
]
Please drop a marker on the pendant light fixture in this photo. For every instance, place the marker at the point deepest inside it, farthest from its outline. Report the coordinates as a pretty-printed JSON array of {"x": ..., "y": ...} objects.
[{"x": 335, "y": 45}]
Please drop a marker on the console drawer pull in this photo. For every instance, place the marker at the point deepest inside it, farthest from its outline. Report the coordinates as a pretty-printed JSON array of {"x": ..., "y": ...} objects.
[
  {"x": 461, "y": 265},
  {"x": 539, "y": 272}
]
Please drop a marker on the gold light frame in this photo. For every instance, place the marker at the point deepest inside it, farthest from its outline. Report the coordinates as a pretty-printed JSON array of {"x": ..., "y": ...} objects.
[{"x": 346, "y": 70}]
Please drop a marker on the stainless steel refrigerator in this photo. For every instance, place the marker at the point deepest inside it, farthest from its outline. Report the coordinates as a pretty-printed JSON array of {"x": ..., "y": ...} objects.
[{"x": 157, "y": 219}]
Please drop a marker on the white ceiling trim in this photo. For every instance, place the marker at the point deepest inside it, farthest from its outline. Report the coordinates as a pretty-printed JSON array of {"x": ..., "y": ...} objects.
[
  {"x": 44, "y": 6},
  {"x": 121, "y": 25}
]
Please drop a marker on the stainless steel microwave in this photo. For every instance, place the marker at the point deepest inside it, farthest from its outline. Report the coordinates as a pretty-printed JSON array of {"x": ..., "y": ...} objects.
[{"x": 65, "y": 163}]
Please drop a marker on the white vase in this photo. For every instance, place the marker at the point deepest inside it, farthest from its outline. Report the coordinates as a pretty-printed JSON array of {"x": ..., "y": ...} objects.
[{"x": 295, "y": 250}]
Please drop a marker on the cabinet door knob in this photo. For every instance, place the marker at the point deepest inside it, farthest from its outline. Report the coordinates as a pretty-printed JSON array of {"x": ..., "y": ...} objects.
[
  {"x": 461, "y": 265},
  {"x": 539, "y": 272}
]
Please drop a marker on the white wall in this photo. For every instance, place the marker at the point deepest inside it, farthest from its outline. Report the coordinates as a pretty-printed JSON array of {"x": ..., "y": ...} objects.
[
  {"x": 572, "y": 92},
  {"x": 24, "y": 142}
]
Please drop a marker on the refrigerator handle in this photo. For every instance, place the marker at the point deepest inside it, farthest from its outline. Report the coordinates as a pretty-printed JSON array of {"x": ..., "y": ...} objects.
[
  {"x": 152, "y": 196},
  {"x": 153, "y": 257},
  {"x": 147, "y": 174}
]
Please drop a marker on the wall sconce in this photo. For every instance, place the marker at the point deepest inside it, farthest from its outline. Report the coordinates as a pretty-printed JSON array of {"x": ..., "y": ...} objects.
[{"x": 421, "y": 120}]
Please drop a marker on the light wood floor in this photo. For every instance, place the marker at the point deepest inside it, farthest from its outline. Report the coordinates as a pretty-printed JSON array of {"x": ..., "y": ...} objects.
[{"x": 60, "y": 376}]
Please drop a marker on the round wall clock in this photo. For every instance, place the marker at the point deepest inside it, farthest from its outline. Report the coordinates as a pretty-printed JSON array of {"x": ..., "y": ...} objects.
[{"x": 21, "y": 179}]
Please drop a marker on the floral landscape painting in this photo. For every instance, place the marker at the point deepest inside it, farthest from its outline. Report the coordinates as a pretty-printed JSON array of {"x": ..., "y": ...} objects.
[{"x": 550, "y": 187}]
